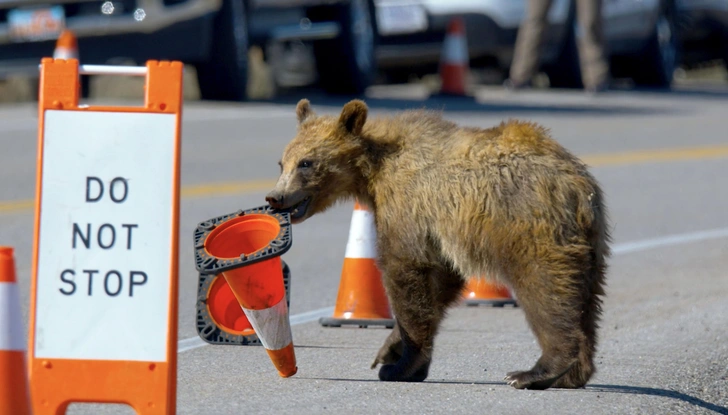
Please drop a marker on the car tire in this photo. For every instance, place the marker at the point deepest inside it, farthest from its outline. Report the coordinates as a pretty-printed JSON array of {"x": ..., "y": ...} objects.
[
  {"x": 346, "y": 64},
  {"x": 224, "y": 76},
  {"x": 724, "y": 52},
  {"x": 657, "y": 63}
]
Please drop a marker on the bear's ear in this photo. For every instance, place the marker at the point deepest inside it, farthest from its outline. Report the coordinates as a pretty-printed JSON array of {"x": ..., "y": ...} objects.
[
  {"x": 303, "y": 110},
  {"x": 353, "y": 116}
]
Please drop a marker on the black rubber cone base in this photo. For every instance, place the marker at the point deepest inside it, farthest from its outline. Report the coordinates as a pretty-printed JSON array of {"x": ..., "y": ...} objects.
[
  {"x": 207, "y": 264},
  {"x": 491, "y": 302},
  {"x": 361, "y": 322}
]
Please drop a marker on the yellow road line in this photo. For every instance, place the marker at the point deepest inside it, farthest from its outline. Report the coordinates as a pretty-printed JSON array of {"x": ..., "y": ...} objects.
[
  {"x": 595, "y": 160},
  {"x": 16, "y": 206},
  {"x": 647, "y": 156},
  {"x": 226, "y": 188},
  {"x": 187, "y": 192}
]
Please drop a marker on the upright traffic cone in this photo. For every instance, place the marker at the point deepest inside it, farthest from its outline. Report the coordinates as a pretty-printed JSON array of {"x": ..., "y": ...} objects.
[
  {"x": 66, "y": 46},
  {"x": 14, "y": 391},
  {"x": 361, "y": 300},
  {"x": 481, "y": 292},
  {"x": 455, "y": 60},
  {"x": 245, "y": 247}
]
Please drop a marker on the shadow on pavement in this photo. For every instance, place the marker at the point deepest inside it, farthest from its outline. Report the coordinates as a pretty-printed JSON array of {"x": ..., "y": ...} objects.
[
  {"x": 442, "y": 382},
  {"x": 718, "y": 92},
  {"x": 469, "y": 104},
  {"x": 639, "y": 390},
  {"x": 634, "y": 390}
]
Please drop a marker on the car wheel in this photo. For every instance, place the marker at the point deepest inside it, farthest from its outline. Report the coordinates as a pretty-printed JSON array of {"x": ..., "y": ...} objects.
[
  {"x": 346, "y": 64},
  {"x": 224, "y": 76},
  {"x": 724, "y": 52},
  {"x": 659, "y": 60}
]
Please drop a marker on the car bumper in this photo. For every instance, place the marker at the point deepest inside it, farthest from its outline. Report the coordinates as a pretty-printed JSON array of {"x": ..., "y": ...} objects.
[
  {"x": 188, "y": 41},
  {"x": 85, "y": 19}
]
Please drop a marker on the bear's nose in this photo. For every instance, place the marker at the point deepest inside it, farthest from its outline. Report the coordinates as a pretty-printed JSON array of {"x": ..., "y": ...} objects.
[{"x": 275, "y": 199}]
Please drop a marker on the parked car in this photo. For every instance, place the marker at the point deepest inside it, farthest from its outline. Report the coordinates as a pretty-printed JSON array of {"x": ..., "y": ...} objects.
[
  {"x": 642, "y": 36},
  {"x": 212, "y": 35}
]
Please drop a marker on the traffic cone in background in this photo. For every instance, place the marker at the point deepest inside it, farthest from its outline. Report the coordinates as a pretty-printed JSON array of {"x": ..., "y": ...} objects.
[
  {"x": 14, "y": 391},
  {"x": 455, "y": 60},
  {"x": 478, "y": 291},
  {"x": 361, "y": 299},
  {"x": 66, "y": 46}
]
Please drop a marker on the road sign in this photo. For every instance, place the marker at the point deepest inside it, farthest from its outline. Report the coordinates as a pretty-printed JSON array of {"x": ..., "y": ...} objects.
[{"x": 104, "y": 290}]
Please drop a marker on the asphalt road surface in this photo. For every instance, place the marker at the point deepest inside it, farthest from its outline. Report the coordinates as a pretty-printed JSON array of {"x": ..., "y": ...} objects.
[{"x": 662, "y": 159}]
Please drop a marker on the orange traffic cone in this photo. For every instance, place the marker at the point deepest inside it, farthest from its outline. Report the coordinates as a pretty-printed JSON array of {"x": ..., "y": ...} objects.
[
  {"x": 361, "y": 300},
  {"x": 220, "y": 319},
  {"x": 66, "y": 46},
  {"x": 14, "y": 391},
  {"x": 454, "y": 61},
  {"x": 247, "y": 246},
  {"x": 481, "y": 292}
]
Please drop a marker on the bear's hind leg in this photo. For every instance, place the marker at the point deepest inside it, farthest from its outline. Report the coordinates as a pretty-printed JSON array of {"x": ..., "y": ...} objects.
[
  {"x": 582, "y": 371},
  {"x": 420, "y": 299},
  {"x": 555, "y": 322},
  {"x": 391, "y": 350}
]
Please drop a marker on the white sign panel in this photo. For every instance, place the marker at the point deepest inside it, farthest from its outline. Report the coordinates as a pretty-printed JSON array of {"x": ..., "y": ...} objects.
[{"x": 104, "y": 250}]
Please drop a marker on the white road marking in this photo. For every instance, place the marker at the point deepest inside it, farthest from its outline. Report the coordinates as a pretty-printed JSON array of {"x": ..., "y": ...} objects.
[
  {"x": 618, "y": 249},
  {"x": 296, "y": 319},
  {"x": 679, "y": 239}
]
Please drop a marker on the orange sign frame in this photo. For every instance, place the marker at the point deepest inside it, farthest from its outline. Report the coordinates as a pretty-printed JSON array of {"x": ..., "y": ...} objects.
[{"x": 148, "y": 387}]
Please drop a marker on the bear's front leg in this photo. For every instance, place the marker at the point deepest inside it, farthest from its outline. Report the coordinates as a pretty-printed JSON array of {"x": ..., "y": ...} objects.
[{"x": 411, "y": 294}]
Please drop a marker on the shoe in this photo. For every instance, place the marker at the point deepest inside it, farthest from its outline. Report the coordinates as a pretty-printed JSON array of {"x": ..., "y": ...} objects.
[
  {"x": 511, "y": 85},
  {"x": 598, "y": 88}
]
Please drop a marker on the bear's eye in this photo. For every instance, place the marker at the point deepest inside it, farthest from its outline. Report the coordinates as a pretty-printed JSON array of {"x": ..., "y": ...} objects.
[{"x": 305, "y": 164}]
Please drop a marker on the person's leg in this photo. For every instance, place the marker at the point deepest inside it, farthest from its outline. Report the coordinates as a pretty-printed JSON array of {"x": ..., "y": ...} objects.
[
  {"x": 592, "y": 45},
  {"x": 528, "y": 42}
]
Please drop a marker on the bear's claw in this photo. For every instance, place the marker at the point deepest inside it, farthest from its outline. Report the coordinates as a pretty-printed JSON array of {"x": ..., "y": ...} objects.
[{"x": 532, "y": 379}]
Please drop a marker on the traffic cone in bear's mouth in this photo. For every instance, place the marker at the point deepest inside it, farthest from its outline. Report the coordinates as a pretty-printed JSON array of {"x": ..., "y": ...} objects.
[
  {"x": 361, "y": 300},
  {"x": 454, "y": 60},
  {"x": 14, "y": 387},
  {"x": 245, "y": 248},
  {"x": 478, "y": 291},
  {"x": 66, "y": 46}
]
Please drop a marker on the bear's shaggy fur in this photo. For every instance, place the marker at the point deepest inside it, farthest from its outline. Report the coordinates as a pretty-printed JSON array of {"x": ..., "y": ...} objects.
[{"x": 507, "y": 203}]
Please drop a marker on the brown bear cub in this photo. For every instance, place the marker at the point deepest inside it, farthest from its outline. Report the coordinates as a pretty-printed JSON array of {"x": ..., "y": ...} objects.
[{"x": 507, "y": 203}]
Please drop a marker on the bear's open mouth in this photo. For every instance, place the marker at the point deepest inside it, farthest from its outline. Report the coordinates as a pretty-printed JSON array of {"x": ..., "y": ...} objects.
[{"x": 299, "y": 210}]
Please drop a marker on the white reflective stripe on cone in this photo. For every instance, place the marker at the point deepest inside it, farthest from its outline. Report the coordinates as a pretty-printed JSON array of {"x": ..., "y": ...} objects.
[
  {"x": 455, "y": 50},
  {"x": 272, "y": 325},
  {"x": 11, "y": 331},
  {"x": 362, "y": 236},
  {"x": 64, "y": 53}
]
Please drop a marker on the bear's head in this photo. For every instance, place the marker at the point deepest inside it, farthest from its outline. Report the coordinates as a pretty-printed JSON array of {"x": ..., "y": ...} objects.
[{"x": 321, "y": 165}]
